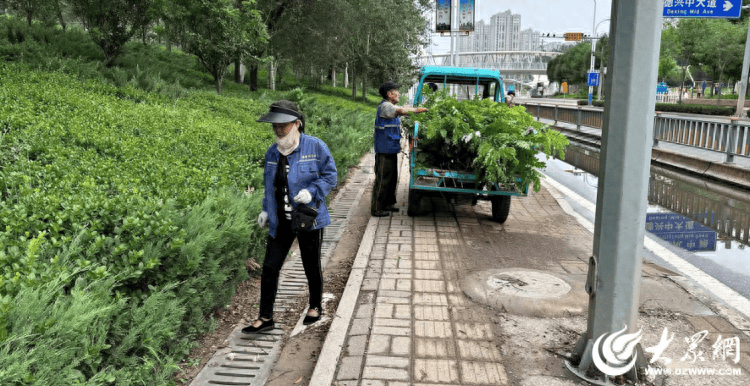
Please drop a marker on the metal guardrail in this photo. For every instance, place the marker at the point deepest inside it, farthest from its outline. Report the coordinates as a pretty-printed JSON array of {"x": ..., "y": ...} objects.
[{"x": 729, "y": 135}]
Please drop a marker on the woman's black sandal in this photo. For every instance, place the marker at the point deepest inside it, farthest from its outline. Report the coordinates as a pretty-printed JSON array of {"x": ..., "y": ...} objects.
[
  {"x": 264, "y": 326},
  {"x": 312, "y": 319}
]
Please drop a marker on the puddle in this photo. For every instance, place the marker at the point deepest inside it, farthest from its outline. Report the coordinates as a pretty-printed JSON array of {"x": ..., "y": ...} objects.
[{"x": 710, "y": 220}]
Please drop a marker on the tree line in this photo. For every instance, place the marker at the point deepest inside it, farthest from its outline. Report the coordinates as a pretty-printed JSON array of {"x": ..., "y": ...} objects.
[
  {"x": 691, "y": 51},
  {"x": 369, "y": 40}
]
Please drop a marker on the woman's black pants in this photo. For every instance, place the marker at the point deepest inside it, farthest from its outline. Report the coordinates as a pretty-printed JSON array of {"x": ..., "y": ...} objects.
[{"x": 277, "y": 249}]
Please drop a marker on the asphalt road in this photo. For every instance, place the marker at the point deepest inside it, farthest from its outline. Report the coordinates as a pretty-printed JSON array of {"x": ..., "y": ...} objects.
[{"x": 728, "y": 266}]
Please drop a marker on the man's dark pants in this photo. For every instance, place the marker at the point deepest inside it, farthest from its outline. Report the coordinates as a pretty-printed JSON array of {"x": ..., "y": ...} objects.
[
  {"x": 310, "y": 245},
  {"x": 386, "y": 181}
]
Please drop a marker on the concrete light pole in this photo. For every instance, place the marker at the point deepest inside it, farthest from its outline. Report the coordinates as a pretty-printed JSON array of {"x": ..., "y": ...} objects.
[
  {"x": 614, "y": 275},
  {"x": 593, "y": 45},
  {"x": 745, "y": 68}
]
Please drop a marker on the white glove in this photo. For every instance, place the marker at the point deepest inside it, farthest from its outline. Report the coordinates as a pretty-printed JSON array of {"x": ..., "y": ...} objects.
[
  {"x": 303, "y": 197},
  {"x": 263, "y": 219}
]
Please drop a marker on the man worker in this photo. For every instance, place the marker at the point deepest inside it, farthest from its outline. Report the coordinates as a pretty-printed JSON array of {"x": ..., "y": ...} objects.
[{"x": 387, "y": 147}]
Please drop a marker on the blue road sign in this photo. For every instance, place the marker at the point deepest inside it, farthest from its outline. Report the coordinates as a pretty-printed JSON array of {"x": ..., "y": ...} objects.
[
  {"x": 723, "y": 9},
  {"x": 592, "y": 79},
  {"x": 681, "y": 231},
  {"x": 661, "y": 88}
]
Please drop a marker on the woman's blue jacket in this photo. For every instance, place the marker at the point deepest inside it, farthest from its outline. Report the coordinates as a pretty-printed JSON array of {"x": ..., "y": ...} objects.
[{"x": 311, "y": 167}]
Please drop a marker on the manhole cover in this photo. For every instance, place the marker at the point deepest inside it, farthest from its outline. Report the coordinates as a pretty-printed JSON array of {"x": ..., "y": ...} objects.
[{"x": 528, "y": 284}]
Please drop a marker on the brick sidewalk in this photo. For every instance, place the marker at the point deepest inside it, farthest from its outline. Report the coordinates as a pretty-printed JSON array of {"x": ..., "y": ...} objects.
[{"x": 412, "y": 325}]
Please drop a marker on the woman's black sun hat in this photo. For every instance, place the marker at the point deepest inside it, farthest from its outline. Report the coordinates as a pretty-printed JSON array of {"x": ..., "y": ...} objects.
[{"x": 283, "y": 111}]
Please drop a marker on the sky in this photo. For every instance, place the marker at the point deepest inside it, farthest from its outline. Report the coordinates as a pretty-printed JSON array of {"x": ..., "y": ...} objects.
[{"x": 545, "y": 16}]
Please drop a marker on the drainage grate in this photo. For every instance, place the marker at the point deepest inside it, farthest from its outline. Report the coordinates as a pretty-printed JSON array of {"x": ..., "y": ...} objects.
[{"x": 249, "y": 358}]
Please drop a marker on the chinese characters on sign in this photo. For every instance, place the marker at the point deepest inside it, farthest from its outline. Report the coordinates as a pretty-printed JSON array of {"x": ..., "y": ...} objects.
[
  {"x": 466, "y": 16},
  {"x": 727, "y": 9},
  {"x": 681, "y": 231},
  {"x": 443, "y": 16}
]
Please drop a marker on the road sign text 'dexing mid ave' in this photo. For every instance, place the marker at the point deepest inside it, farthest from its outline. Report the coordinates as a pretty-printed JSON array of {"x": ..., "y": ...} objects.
[{"x": 723, "y": 9}]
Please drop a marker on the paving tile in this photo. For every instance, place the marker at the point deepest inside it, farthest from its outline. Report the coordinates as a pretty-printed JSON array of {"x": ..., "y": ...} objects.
[
  {"x": 431, "y": 313},
  {"x": 387, "y": 361},
  {"x": 350, "y": 368},
  {"x": 428, "y": 274},
  {"x": 379, "y": 344},
  {"x": 384, "y": 310},
  {"x": 429, "y": 286},
  {"x": 484, "y": 373},
  {"x": 360, "y": 327},
  {"x": 401, "y": 345},
  {"x": 356, "y": 345},
  {"x": 426, "y": 255},
  {"x": 477, "y": 331},
  {"x": 392, "y": 322},
  {"x": 434, "y": 348},
  {"x": 478, "y": 350},
  {"x": 384, "y": 330},
  {"x": 435, "y": 370},
  {"x": 430, "y": 298},
  {"x": 403, "y": 311},
  {"x": 427, "y": 264},
  {"x": 430, "y": 329}
]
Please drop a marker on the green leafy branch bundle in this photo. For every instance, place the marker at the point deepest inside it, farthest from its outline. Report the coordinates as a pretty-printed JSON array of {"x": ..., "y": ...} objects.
[{"x": 498, "y": 143}]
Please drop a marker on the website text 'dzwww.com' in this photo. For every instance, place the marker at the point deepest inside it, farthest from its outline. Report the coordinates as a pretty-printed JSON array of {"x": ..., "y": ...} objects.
[{"x": 694, "y": 371}]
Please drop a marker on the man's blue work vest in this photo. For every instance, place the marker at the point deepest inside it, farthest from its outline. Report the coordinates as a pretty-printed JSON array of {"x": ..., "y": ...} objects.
[{"x": 387, "y": 133}]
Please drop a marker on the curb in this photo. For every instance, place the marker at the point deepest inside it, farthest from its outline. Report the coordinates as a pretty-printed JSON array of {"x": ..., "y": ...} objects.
[{"x": 328, "y": 360}]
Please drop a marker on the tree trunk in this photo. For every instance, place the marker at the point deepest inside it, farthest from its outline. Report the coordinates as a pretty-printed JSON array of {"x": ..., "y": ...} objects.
[
  {"x": 219, "y": 80},
  {"x": 333, "y": 76},
  {"x": 364, "y": 86},
  {"x": 354, "y": 85},
  {"x": 60, "y": 17},
  {"x": 29, "y": 17},
  {"x": 238, "y": 74},
  {"x": 682, "y": 83},
  {"x": 346, "y": 75},
  {"x": 272, "y": 74},
  {"x": 718, "y": 97},
  {"x": 253, "y": 72}
]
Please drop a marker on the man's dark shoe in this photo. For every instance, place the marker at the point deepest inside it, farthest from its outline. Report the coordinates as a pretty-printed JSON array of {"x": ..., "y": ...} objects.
[
  {"x": 264, "y": 326},
  {"x": 392, "y": 208},
  {"x": 381, "y": 213}
]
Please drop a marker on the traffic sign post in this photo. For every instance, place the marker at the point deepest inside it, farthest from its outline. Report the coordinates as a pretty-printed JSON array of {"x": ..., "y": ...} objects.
[
  {"x": 573, "y": 36},
  {"x": 592, "y": 78},
  {"x": 722, "y": 9}
]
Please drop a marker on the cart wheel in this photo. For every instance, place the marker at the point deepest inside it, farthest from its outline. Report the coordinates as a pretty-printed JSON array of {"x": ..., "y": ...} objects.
[
  {"x": 414, "y": 200},
  {"x": 500, "y": 208}
]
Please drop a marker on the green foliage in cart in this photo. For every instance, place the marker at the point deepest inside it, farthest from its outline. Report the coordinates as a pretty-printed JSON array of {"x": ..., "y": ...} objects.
[{"x": 498, "y": 143}]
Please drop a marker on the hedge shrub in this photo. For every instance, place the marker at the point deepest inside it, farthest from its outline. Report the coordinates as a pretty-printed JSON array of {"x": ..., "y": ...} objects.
[
  {"x": 123, "y": 212},
  {"x": 681, "y": 108}
]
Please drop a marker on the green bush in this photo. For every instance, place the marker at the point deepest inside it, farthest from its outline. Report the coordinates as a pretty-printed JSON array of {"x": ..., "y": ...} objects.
[
  {"x": 135, "y": 196},
  {"x": 695, "y": 109},
  {"x": 681, "y": 108}
]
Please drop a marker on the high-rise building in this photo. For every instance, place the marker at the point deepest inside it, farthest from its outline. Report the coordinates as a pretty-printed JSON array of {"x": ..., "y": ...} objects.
[
  {"x": 502, "y": 33},
  {"x": 530, "y": 40}
]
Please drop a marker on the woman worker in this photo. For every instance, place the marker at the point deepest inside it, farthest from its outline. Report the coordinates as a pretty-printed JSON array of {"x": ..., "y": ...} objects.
[{"x": 299, "y": 169}]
